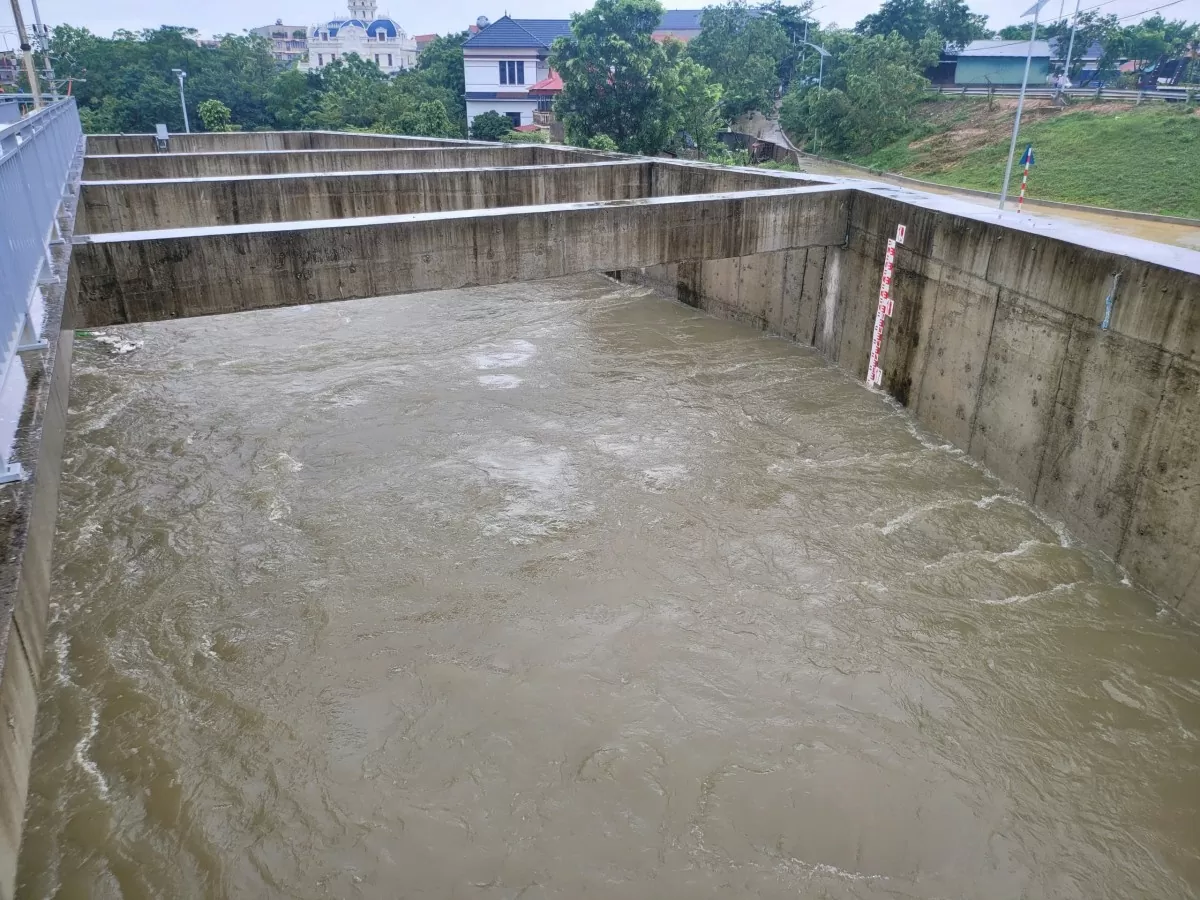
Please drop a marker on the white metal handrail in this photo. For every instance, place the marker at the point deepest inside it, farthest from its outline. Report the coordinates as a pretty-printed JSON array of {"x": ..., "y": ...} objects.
[{"x": 35, "y": 163}]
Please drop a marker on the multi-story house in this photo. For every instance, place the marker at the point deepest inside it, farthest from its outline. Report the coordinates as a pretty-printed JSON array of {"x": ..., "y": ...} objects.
[
  {"x": 505, "y": 59},
  {"x": 289, "y": 43},
  {"x": 378, "y": 40}
]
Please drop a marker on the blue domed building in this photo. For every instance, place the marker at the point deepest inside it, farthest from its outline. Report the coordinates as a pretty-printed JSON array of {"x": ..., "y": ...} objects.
[{"x": 378, "y": 40}]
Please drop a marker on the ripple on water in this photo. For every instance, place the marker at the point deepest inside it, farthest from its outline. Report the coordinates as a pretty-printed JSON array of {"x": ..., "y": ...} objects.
[{"x": 699, "y": 617}]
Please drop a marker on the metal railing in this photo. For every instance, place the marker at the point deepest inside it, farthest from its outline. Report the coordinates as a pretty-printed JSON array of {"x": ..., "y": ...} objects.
[
  {"x": 35, "y": 163},
  {"x": 1167, "y": 95}
]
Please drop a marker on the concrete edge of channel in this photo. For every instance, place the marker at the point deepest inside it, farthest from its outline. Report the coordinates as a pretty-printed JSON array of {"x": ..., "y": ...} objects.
[
  {"x": 988, "y": 195},
  {"x": 28, "y": 510}
]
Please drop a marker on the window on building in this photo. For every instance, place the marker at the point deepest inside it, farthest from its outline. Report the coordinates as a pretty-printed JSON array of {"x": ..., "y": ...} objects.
[
  {"x": 389, "y": 60},
  {"x": 376, "y": 59},
  {"x": 515, "y": 118},
  {"x": 320, "y": 59},
  {"x": 512, "y": 72}
]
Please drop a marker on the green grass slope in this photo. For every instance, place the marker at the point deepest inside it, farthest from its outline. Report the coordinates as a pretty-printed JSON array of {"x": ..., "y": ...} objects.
[{"x": 1145, "y": 159}]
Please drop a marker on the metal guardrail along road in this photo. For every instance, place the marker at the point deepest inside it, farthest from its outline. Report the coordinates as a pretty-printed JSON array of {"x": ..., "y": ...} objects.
[
  {"x": 35, "y": 163},
  {"x": 1167, "y": 95}
]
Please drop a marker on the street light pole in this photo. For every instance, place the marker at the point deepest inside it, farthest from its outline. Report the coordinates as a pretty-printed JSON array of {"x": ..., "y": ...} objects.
[
  {"x": 822, "y": 53},
  {"x": 182, "y": 100},
  {"x": 1012, "y": 149},
  {"x": 1071, "y": 43}
]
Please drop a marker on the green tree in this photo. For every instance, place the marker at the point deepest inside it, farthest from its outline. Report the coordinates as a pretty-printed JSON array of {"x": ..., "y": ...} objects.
[
  {"x": 872, "y": 84},
  {"x": 692, "y": 100},
  {"x": 215, "y": 115},
  {"x": 441, "y": 66},
  {"x": 490, "y": 126},
  {"x": 743, "y": 50},
  {"x": 952, "y": 20},
  {"x": 429, "y": 119},
  {"x": 620, "y": 83}
]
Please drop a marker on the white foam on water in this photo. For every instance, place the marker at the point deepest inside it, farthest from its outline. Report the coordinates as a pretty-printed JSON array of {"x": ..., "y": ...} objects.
[
  {"x": 120, "y": 346},
  {"x": 504, "y": 355},
  {"x": 500, "y": 382},
  {"x": 1025, "y": 598},
  {"x": 85, "y": 745}
]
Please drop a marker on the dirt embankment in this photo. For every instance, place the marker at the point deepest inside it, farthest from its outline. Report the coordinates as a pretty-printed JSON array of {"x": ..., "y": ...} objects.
[{"x": 964, "y": 126}]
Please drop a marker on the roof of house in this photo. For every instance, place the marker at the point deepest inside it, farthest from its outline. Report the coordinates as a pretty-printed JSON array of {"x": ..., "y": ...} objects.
[
  {"x": 680, "y": 19},
  {"x": 1058, "y": 47},
  {"x": 528, "y": 129},
  {"x": 424, "y": 37},
  {"x": 508, "y": 32},
  {"x": 551, "y": 85},
  {"x": 993, "y": 49}
]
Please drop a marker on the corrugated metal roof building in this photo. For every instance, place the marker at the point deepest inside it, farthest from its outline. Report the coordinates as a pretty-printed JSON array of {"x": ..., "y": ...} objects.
[{"x": 1002, "y": 63}]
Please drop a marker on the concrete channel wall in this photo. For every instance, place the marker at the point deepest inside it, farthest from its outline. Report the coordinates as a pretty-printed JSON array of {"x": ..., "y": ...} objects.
[
  {"x": 139, "y": 167},
  {"x": 112, "y": 206},
  {"x": 106, "y": 144},
  {"x": 152, "y": 275},
  {"x": 28, "y": 510},
  {"x": 997, "y": 345}
]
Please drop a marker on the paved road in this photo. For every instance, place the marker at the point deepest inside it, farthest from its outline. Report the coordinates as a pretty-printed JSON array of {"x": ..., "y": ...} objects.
[{"x": 1163, "y": 232}]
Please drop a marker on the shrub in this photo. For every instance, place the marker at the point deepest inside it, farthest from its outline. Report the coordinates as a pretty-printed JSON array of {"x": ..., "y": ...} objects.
[
  {"x": 490, "y": 126},
  {"x": 525, "y": 137}
]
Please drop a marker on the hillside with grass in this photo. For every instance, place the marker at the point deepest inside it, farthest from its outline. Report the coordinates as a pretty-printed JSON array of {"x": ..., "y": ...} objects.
[{"x": 1114, "y": 155}]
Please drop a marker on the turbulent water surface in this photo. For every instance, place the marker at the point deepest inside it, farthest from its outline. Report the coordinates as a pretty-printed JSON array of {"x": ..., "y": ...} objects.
[{"x": 565, "y": 590}]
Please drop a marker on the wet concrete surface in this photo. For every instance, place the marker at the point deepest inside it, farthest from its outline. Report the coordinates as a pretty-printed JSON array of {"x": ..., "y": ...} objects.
[
  {"x": 1179, "y": 235},
  {"x": 564, "y": 590}
]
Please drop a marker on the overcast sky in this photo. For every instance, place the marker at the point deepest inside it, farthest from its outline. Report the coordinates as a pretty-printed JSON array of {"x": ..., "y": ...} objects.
[{"x": 221, "y": 16}]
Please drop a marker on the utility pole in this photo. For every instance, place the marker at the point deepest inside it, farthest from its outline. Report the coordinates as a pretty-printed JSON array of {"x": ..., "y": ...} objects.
[
  {"x": 1012, "y": 149},
  {"x": 1071, "y": 43},
  {"x": 44, "y": 43},
  {"x": 182, "y": 100},
  {"x": 27, "y": 50}
]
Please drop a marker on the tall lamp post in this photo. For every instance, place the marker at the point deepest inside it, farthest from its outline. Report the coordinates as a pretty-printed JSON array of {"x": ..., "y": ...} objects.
[
  {"x": 180, "y": 74},
  {"x": 1071, "y": 43},
  {"x": 822, "y": 53},
  {"x": 1034, "y": 11}
]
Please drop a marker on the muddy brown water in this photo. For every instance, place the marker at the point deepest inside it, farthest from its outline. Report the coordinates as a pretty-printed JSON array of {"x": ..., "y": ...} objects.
[{"x": 565, "y": 590}]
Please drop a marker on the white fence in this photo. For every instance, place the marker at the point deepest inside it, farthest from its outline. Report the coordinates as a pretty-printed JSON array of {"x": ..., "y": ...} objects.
[{"x": 35, "y": 161}]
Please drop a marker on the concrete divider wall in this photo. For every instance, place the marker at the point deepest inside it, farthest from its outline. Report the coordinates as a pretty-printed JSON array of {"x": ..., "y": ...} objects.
[
  {"x": 280, "y": 162},
  {"x": 996, "y": 344},
  {"x": 235, "y": 141},
  {"x": 150, "y": 276},
  {"x": 147, "y": 205}
]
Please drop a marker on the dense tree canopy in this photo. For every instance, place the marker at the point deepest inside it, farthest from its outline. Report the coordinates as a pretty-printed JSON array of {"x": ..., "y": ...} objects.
[
  {"x": 619, "y": 82},
  {"x": 125, "y": 84},
  {"x": 742, "y": 48},
  {"x": 872, "y": 83},
  {"x": 952, "y": 20}
]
